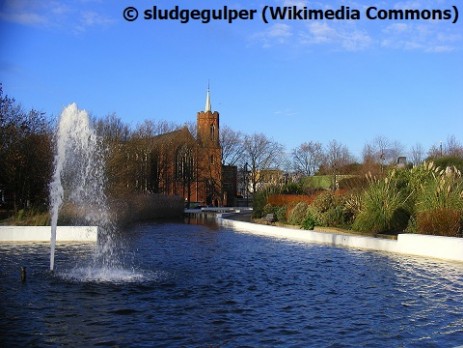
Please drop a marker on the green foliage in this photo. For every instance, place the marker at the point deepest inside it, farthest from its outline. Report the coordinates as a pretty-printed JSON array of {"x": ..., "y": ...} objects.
[
  {"x": 281, "y": 213},
  {"x": 30, "y": 217},
  {"x": 299, "y": 213},
  {"x": 424, "y": 199},
  {"x": 268, "y": 209},
  {"x": 353, "y": 183},
  {"x": 444, "y": 190},
  {"x": 316, "y": 182},
  {"x": 329, "y": 210},
  {"x": 259, "y": 200},
  {"x": 438, "y": 200},
  {"x": 449, "y": 161},
  {"x": 352, "y": 206},
  {"x": 292, "y": 188},
  {"x": 384, "y": 207},
  {"x": 334, "y": 217},
  {"x": 273, "y": 209},
  {"x": 308, "y": 223},
  {"x": 325, "y": 201},
  {"x": 325, "y": 182}
]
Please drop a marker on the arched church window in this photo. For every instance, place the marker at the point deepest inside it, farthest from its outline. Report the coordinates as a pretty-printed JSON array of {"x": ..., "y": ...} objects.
[
  {"x": 212, "y": 131},
  {"x": 185, "y": 165}
]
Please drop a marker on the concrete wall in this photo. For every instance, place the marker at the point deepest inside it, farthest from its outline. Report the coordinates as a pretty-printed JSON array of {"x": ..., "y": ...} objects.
[
  {"x": 446, "y": 248},
  {"x": 43, "y": 233}
]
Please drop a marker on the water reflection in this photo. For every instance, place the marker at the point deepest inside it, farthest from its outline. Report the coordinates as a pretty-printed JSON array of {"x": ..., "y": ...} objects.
[
  {"x": 202, "y": 286},
  {"x": 202, "y": 219}
]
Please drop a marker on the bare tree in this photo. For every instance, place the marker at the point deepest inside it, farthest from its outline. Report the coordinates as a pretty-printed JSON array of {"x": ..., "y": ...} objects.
[
  {"x": 370, "y": 159},
  {"x": 307, "y": 158},
  {"x": 112, "y": 129},
  {"x": 260, "y": 152},
  {"x": 453, "y": 147},
  {"x": 192, "y": 128},
  {"x": 186, "y": 167},
  {"x": 149, "y": 128},
  {"x": 417, "y": 154},
  {"x": 336, "y": 156},
  {"x": 232, "y": 145},
  {"x": 380, "y": 153}
]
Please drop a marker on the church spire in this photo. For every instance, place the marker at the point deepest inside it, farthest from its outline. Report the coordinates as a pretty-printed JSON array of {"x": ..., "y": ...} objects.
[{"x": 208, "y": 99}]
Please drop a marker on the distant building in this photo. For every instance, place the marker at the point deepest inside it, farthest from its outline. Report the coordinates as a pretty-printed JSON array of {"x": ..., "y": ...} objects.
[
  {"x": 230, "y": 185},
  {"x": 401, "y": 162}
]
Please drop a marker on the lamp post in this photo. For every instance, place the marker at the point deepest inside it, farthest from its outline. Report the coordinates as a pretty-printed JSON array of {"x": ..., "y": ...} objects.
[{"x": 245, "y": 178}]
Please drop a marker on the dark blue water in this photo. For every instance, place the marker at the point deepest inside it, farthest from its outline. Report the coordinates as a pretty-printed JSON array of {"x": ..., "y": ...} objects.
[{"x": 197, "y": 286}]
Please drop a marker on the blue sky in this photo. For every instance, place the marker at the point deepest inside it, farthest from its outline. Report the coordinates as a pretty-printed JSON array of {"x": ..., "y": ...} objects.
[{"x": 295, "y": 81}]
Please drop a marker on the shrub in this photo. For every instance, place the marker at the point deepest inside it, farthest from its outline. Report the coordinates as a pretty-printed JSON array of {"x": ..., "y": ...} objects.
[
  {"x": 438, "y": 200},
  {"x": 269, "y": 209},
  {"x": 289, "y": 199},
  {"x": 352, "y": 207},
  {"x": 441, "y": 222},
  {"x": 298, "y": 214},
  {"x": 281, "y": 213},
  {"x": 329, "y": 210},
  {"x": 292, "y": 188},
  {"x": 334, "y": 217},
  {"x": 352, "y": 183},
  {"x": 325, "y": 201},
  {"x": 384, "y": 207},
  {"x": 442, "y": 191},
  {"x": 30, "y": 217},
  {"x": 449, "y": 161},
  {"x": 308, "y": 223},
  {"x": 259, "y": 200}
]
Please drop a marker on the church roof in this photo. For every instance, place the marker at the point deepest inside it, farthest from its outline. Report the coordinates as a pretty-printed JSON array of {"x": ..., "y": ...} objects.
[{"x": 178, "y": 135}]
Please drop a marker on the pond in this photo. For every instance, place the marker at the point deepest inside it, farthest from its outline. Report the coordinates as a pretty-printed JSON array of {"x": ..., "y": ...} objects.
[{"x": 187, "y": 285}]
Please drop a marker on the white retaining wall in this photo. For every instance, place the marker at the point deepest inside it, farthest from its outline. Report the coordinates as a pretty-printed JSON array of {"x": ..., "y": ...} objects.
[
  {"x": 446, "y": 248},
  {"x": 43, "y": 233}
]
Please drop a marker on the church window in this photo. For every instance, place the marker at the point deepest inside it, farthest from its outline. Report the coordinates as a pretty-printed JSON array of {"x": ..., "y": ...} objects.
[{"x": 212, "y": 132}]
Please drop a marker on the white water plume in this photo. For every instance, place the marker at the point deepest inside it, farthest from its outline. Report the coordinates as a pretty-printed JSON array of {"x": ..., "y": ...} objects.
[{"x": 79, "y": 180}]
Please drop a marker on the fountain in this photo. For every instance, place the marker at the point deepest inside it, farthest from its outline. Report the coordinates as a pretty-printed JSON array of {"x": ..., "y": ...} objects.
[
  {"x": 79, "y": 180},
  {"x": 211, "y": 286}
]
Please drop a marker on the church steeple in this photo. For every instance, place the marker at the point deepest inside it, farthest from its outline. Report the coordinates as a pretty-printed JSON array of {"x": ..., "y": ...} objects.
[
  {"x": 208, "y": 100},
  {"x": 208, "y": 124}
]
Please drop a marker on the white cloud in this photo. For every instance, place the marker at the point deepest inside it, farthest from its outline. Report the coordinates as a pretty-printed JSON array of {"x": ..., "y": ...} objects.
[
  {"x": 363, "y": 34},
  {"x": 285, "y": 113},
  {"x": 347, "y": 37},
  {"x": 25, "y": 12},
  {"x": 75, "y": 15},
  {"x": 428, "y": 37},
  {"x": 320, "y": 32},
  {"x": 92, "y": 19},
  {"x": 25, "y": 18},
  {"x": 278, "y": 33}
]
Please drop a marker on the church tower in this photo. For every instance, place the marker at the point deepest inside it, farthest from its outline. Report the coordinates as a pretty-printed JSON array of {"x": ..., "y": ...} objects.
[
  {"x": 210, "y": 152},
  {"x": 208, "y": 125}
]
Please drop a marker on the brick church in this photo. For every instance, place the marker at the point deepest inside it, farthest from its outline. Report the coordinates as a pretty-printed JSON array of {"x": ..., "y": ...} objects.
[{"x": 179, "y": 163}]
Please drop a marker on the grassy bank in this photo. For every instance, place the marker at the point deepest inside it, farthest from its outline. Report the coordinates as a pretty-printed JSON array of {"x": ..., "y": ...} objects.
[{"x": 122, "y": 211}]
